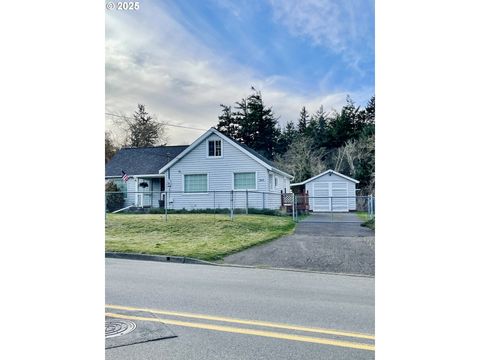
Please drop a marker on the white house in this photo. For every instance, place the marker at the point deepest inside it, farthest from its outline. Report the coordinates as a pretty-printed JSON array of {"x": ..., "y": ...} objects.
[
  {"x": 214, "y": 171},
  {"x": 329, "y": 191}
]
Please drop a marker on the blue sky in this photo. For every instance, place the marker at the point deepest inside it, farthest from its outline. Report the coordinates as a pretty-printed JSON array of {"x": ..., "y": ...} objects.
[{"x": 182, "y": 58}]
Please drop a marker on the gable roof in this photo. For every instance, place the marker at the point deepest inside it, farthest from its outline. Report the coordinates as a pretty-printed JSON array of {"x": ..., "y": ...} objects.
[
  {"x": 243, "y": 148},
  {"x": 141, "y": 161},
  {"x": 325, "y": 173}
]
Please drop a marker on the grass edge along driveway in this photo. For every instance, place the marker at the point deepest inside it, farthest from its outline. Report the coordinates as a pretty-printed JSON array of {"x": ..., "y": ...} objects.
[{"x": 200, "y": 236}]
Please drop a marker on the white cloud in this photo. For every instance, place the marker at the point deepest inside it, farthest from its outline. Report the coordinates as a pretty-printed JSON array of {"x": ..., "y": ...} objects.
[
  {"x": 338, "y": 25},
  {"x": 151, "y": 59}
]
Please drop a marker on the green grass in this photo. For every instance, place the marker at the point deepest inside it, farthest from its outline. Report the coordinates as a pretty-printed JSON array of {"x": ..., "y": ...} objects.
[
  {"x": 370, "y": 223},
  {"x": 200, "y": 236},
  {"x": 363, "y": 215}
]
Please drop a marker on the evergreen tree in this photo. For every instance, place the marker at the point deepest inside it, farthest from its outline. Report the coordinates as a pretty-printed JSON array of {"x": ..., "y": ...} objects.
[
  {"x": 227, "y": 123},
  {"x": 303, "y": 121},
  {"x": 342, "y": 127},
  {"x": 317, "y": 128},
  {"x": 144, "y": 130},
  {"x": 252, "y": 124},
  {"x": 263, "y": 125},
  {"x": 287, "y": 136}
]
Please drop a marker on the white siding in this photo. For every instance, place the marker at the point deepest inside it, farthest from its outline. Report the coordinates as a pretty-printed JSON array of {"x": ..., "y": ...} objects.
[
  {"x": 131, "y": 188},
  {"x": 220, "y": 179},
  {"x": 332, "y": 178}
]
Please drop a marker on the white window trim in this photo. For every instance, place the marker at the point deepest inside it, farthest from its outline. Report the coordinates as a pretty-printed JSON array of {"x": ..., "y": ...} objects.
[
  {"x": 195, "y": 193},
  {"x": 244, "y": 172},
  {"x": 221, "y": 148}
]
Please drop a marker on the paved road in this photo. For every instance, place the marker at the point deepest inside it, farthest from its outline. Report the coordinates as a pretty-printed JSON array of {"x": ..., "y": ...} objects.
[
  {"x": 343, "y": 303},
  {"x": 318, "y": 244}
]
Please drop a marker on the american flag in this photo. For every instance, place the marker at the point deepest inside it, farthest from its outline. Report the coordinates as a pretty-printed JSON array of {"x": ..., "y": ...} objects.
[{"x": 124, "y": 176}]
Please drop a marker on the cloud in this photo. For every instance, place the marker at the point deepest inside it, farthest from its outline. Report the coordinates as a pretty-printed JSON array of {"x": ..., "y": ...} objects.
[
  {"x": 342, "y": 26},
  {"x": 151, "y": 59}
]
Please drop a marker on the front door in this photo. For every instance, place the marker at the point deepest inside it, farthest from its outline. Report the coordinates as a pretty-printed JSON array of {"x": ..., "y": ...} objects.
[{"x": 144, "y": 195}]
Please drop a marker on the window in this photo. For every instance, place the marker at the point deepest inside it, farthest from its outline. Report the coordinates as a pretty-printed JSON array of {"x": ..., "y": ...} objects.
[
  {"x": 122, "y": 186},
  {"x": 214, "y": 148},
  {"x": 270, "y": 181},
  {"x": 276, "y": 181},
  {"x": 245, "y": 181},
  {"x": 195, "y": 183}
]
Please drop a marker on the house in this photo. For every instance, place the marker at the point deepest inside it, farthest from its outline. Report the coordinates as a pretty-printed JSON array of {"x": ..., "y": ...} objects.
[
  {"x": 145, "y": 184},
  {"x": 215, "y": 171},
  {"x": 328, "y": 191}
]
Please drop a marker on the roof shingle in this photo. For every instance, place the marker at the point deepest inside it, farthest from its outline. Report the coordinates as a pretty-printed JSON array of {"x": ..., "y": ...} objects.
[{"x": 141, "y": 161}]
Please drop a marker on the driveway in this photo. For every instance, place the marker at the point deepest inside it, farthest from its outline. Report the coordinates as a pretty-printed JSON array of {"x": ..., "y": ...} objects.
[{"x": 318, "y": 244}]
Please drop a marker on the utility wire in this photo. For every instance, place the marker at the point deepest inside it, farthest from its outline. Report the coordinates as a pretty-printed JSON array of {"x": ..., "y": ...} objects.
[{"x": 164, "y": 123}]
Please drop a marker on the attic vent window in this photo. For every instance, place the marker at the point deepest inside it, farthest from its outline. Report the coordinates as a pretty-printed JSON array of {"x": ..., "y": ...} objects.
[{"x": 214, "y": 148}]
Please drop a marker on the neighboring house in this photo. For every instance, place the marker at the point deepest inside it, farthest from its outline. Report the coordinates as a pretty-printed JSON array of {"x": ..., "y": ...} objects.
[
  {"x": 329, "y": 191},
  {"x": 214, "y": 171}
]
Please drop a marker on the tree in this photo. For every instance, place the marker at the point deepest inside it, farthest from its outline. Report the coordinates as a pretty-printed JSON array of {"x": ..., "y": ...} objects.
[
  {"x": 317, "y": 129},
  {"x": 342, "y": 126},
  {"x": 144, "y": 130},
  {"x": 302, "y": 160},
  {"x": 357, "y": 159},
  {"x": 286, "y": 137},
  {"x": 368, "y": 118},
  {"x": 252, "y": 124},
  {"x": 113, "y": 197},
  {"x": 110, "y": 148},
  {"x": 303, "y": 121},
  {"x": 227, "y": 123}
]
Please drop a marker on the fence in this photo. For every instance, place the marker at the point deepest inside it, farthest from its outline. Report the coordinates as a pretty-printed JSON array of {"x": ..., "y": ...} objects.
[
  {"x": 215, "y": 202},
  {"x": 236, "y": 202},
  {"x": 332, "y": 205}
]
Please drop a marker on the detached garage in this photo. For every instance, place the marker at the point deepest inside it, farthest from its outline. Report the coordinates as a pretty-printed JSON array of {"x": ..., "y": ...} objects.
[{"x": 329, "y": 191}]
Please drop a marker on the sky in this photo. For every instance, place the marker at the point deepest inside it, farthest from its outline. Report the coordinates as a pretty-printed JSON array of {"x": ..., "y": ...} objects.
[{"x": 183, "y": 58}]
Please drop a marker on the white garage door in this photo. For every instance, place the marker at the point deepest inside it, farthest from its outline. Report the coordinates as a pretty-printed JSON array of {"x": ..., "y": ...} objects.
[{"x": 330, "y": 196}]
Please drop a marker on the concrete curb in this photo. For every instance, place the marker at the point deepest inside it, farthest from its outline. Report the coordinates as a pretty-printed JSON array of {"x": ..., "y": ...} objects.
[
  {"x": 160, "y": 258},
  {"x": 187, "y": 260}
]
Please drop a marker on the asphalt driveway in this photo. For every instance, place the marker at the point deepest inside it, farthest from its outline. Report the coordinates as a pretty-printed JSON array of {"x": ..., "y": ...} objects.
[{"x": 341, "y": 246}]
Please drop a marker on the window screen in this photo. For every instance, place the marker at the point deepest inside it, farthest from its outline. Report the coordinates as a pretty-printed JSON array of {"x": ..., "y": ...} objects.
[
  {"x": 195, "y": 183},
  {"x": 244, "y": 181}
]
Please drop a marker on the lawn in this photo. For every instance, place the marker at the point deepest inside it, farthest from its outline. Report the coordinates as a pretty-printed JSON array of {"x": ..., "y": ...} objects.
[
  {"x": 363, "y": 215},
  {"x": 200, "y": 236}
]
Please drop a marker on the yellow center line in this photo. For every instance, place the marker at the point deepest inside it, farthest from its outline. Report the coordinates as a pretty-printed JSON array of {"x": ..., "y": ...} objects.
[
  {"x": 248, "y": 322},
  {"x": 270, "y": 334}
]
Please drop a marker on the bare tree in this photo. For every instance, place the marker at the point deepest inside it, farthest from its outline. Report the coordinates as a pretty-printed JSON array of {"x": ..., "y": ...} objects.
[
  {"x": 302, "y": 160},
  {"x": 110, "y": 148},
  {"x": 357, "y": 159}
]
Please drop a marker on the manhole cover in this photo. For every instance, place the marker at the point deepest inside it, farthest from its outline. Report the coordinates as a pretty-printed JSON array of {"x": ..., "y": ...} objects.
[{"x": 115, "y": 328}]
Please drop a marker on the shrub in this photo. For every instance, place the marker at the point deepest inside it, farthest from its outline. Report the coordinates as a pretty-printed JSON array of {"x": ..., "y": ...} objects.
[
  {"x": 113, "y": 197},
  {"x": 216, "y": 211}
]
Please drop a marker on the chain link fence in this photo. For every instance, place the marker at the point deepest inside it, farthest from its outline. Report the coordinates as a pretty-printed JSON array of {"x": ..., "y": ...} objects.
[
  {"x": 335, "y": 207},
  {"x": 234, "y": 202},
  {"x": 237, "y": 202}
]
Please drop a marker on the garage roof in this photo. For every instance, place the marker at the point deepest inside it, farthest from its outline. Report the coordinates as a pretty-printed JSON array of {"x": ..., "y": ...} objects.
[{"x": 323, "y": 174}]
